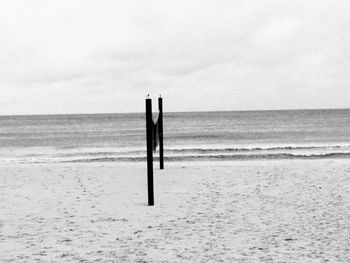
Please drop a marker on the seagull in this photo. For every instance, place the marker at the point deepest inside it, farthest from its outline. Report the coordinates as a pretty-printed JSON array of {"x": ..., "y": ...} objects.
[{"x": 147, "y": 96}]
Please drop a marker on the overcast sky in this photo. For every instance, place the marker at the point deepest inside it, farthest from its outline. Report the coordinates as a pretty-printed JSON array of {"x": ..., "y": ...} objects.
[{"x": 86, "y": 56}]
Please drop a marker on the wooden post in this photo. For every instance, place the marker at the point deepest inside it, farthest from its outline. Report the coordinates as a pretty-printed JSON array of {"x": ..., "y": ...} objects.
[
  {"x": 160, "y": 129},
  {"x": 149, "y": 128}
]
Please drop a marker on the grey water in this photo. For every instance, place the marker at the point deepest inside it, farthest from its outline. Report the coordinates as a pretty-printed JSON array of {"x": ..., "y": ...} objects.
[{"x": 188, "y": 136}]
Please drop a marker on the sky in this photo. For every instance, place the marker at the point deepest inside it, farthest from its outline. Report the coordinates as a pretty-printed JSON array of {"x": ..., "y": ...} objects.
[{"x": 105, "y": 56}]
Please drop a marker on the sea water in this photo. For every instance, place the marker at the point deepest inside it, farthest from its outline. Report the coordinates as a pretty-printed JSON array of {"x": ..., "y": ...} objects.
[{"x": 188, "y": 136}]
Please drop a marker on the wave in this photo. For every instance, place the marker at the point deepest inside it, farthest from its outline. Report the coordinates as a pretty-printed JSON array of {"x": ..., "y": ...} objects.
[
  {"x": 217, "y": 157},
  {"x": 204, "y": 150},
  {"x": 177, "y": 153},
  {"x": 248, "y": 149}
]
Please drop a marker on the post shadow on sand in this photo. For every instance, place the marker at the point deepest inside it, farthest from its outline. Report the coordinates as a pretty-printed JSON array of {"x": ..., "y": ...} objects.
[{"x": 154, "y": 137}]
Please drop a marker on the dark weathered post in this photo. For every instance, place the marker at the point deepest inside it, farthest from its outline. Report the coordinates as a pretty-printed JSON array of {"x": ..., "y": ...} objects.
[
  {"x": 160, "y": 129},
  {"x": 149, "y": 128}
]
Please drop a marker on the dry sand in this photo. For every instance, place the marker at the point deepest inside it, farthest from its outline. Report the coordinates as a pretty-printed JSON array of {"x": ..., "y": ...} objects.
[{"x": 275, "y": 211}]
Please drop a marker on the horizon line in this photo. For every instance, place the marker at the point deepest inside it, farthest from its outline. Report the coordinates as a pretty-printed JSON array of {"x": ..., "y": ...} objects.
[{"x": 191, "y": 111}]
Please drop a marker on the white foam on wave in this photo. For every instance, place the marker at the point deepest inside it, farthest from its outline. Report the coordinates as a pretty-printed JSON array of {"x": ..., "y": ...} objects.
[{"x": 174, "y": 153}]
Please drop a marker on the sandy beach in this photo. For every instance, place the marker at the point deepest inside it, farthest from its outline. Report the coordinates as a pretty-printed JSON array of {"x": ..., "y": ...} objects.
[{"x": 274, "y": 211}]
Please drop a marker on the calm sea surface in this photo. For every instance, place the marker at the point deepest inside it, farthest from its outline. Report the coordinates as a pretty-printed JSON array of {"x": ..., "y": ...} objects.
[{"x": 187, "y": 136}]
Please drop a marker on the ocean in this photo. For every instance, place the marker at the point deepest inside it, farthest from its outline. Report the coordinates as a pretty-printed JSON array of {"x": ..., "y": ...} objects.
[{"x": 188, "y": 136}]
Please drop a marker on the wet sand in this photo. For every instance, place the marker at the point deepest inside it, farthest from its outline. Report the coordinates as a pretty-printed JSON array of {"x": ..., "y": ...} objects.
[{"x": 261, "y": 211}]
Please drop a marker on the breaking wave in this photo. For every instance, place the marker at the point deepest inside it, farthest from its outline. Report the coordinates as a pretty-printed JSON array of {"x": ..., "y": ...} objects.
[
  {"x": 217, "y": 157},
  {"x": 180, "y": 154}
]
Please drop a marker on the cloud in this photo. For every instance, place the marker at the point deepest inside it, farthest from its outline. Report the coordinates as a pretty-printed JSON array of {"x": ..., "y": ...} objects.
[{"x": 94, "y": 55}]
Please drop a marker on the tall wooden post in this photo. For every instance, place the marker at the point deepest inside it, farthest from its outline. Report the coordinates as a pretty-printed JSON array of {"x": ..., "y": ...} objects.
[
  {"x": 149, "y": 128},
  {"x": 160, "y": 129}
]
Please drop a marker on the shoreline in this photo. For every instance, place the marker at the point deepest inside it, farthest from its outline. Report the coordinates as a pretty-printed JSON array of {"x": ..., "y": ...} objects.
[{"x": 179, "y": 163}]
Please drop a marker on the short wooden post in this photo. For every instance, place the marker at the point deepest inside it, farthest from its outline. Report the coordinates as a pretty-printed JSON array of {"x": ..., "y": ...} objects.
[
  {"x": 160, "y": 129},
  {"x": 149, "y": 128}
]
